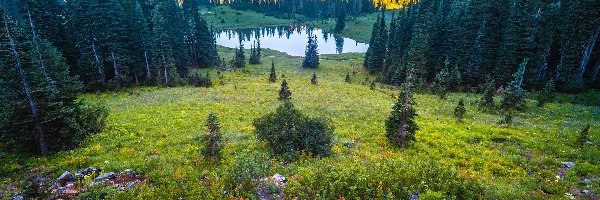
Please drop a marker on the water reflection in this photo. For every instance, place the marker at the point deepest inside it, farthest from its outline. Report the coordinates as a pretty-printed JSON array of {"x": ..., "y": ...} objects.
[{"x": 289, "y": 39}]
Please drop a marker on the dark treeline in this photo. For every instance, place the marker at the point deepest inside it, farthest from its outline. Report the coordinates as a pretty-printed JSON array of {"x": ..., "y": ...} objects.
[
  {"x": 116, "y": 43},
  {"x": 315, "y": 9},
  {"x": 473, "y": 42}
]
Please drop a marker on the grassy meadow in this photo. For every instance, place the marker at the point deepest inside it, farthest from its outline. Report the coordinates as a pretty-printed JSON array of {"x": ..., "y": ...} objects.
[{"x": 157, "y": 131}]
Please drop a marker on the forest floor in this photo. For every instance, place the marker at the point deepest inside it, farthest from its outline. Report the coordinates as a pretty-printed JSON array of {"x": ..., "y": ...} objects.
[{"x": 156, "y": 131}]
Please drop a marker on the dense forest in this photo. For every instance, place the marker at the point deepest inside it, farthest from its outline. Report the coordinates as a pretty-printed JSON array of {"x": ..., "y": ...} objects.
[{"x": 481, "y": 41}]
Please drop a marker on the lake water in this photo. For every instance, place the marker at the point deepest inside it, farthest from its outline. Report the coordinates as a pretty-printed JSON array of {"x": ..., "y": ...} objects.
[{"x": 289, "y": 39}]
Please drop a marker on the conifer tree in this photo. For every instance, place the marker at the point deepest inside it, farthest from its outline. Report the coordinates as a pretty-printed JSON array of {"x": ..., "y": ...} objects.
[
  {"x": 513, "y": 96},
  {"x": 547, "y": 94},
  {"x": 372, "y": 86},
  {"x": 583, "y": 136},
  {"x": 442, "y": 80},
  {"x": 284, "y": 93},
  {"x": 340, "y": 22},
  {"x": 255, "y": 54},
  {"x": 272, "y": 75},
  {"x": 348, "y": 80},
  {"x": 400, "y": 125},
  {"x": 474, "y": 71},
  {"x": 313, "y": 80},
  {"x": 213, "y": 147},
  {"x": 459, "y": 111},
  {"x": 311, "y": 57},
  {"x": 239, "y": 61},
  {"x": 487, "y": 101}
]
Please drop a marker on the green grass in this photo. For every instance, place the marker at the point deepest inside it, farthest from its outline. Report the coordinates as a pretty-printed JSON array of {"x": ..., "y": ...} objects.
[
  {"x": 239, "y": 19},
  {"x": 157, "y": 131},
  {"x": 358, "y": 28}
]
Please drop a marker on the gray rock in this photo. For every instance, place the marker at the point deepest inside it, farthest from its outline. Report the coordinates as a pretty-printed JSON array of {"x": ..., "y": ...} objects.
[
  {"x": 279, "y": 178},
  {"x": 586, "y": 192},
  {"x": 414, "y": 196},
  {"x": 17, "y": 197},
  {"x": 568, "y": 164},
  {"x": 66, "y": 176},
  {"x": 109, "y": 175},
  {"x": 129, "y": 172}
]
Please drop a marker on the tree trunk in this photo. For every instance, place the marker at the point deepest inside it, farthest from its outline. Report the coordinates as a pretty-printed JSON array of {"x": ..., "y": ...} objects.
[
  {"x": 115, "y": 65},
  {"x": 587, "y": 53},
  {"x": 98, "y": 65},
  {"x": 147, "y": 65},
  {"x": 38, "y": 127},
  {"x": 543, "y": 68},
  {"x": 34, "y": 39},
  {"x": 595, "y": 73}
]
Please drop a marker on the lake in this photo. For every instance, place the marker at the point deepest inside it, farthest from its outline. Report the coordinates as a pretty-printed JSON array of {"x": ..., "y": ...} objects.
[{"x": 289, "y": 39}]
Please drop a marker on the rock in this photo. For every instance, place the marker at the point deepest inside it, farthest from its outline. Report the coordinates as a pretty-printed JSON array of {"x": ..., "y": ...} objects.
[
  {"x": 109, "y": 175},
  {"x": 129, "y": 172},
  {"x": 568, "y": 164},
  {"x": 17, "y": 197},
  {"x": 575, "y": 191},
  {"x": 66, "y": 176},
  {"x": 414, "y": 196},
  {"x": 586, "y": 192},
  {"x": 279, "y": 179},
  {"x": 589, "y": 143}
]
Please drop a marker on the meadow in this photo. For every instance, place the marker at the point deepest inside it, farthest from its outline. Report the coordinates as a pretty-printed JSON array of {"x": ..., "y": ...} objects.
[{"x": 156, "y": 131}]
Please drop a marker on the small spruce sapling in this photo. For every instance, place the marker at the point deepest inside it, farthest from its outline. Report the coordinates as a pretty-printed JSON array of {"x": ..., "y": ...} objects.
[
  {"x": 213, "y": 146},
  {"x": 547, "y": 94},
  {"x": 348, "y": 80},
  {"x": 372, "y": 86},
  {"x": 313, "y": 80},
  {"x": 583, "y": 136},
  {"x": 284, "y": 93},
  {"x": 272, "y": 75},
  {"x": 487, "y": 101},
  {"x": 459, "y": 111},
  {"x": 400, "y": 127}
]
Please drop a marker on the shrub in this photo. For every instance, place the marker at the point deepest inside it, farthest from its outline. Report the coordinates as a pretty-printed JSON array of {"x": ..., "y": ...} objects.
[
  {"x": 284, "y": 93},
  {"x": 459, "y": 111},
  {"x": 583, "y": 136},
  {"x": 201, "y": 81},
  {"x": 287, "y": 132},
  {"x": 348, "y": 80},
  {"x": 244, "y": 172},
  {"x": 313, "y": 80},
  {"x": 212, "y": 140},
  {"x": 487, "y": 101},
  {"x": 547, "y": 94}
]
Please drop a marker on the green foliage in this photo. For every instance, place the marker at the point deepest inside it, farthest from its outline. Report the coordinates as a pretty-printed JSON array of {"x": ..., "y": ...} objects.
[
  {"x": 340, "y": 22},
  {"x": 272, "y": 74},
  {"x": 373, "y": 85},
  {"x": 311, "y": 57},
  {"x": 375, "y": 55},
  {"x": 583, "y": 136},
  {"x": 508, "y": 118},
  {"x": 547, "y": 94},
  {"x": 514, "y": 94},
  {"x": 201, "y": 81},
  {"x": 459, "y": 111},
  {"x": 313, "y": 79},
  {"x": 288, "y": 132},
  {"x": 487, "y": 100},
  {"x": 212, "y": 141},
  {"x": 284, "y": 93},
  {"x": 239, "y": 61},
  {"x": 400, "y": 126},
  {"x": 348, "y": 79},
  {"x": 255, "y": 54},
  {"x": 442, "y": 80},
  {"x": 244, "y": 172}
]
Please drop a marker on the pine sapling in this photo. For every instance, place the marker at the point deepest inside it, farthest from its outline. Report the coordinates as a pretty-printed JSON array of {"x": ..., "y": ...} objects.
[
  {"x": 313, "y": 80},
  {"x": 348, "y": 80},
  {"x": 547, "y": 94},
  {"x": 213, "y": 146},
  {"x": 583, "y": 136},
  {"x": 459, "y": 111},
  {"x": 272, "y": 75},
  {"x": 284, "y": 93}
]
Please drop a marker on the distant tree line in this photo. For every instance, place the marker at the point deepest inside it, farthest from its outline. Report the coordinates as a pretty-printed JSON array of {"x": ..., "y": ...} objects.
[
  {"x": 463, "y": 45},
  {"x": 307, "y": 8}
]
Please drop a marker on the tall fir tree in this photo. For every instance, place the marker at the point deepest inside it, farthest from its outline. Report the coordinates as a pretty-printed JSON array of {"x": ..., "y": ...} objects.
[{"x": 311, "y": 57}]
